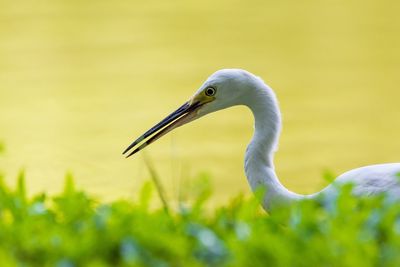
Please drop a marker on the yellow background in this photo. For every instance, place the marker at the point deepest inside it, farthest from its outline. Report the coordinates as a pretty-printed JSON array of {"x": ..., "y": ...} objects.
[{"x": 79, "y": 80}]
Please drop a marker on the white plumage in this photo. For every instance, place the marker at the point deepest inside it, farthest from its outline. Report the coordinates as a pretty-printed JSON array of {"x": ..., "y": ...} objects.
[{"x": 230, "y": 87}]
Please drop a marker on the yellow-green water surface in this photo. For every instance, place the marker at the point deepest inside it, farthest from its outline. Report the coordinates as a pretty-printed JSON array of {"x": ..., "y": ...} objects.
[{"x": 79, "y": 80}]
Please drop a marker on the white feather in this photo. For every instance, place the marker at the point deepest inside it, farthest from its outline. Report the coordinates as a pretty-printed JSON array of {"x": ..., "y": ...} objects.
[{"x": 239, "y": 87}]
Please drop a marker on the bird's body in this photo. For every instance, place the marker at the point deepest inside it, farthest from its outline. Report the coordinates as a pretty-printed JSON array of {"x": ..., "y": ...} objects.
[
  {"x": 371, "y": 180},
  {"x": 230, "y": 87}
]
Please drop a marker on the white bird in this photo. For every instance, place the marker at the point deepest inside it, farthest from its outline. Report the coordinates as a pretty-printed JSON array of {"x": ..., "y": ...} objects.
[{"x": 230, "y": 87}]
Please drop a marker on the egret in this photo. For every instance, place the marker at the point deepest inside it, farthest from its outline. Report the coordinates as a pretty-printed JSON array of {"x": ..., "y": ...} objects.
[{"x": 230, "y": 87}]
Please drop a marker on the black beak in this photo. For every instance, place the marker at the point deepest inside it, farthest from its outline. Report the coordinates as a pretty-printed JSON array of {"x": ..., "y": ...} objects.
[{"x": 181, "y": 116}]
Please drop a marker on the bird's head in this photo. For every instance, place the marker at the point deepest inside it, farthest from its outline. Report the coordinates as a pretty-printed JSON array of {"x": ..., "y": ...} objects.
[{"x": 223, "y": 89}]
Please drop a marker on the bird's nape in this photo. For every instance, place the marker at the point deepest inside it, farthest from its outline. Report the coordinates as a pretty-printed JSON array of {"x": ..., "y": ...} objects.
[{"x": 184, "y": 114}]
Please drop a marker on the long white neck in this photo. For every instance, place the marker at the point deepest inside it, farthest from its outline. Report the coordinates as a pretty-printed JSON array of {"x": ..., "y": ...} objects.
[{"x": 259, "y": 165}]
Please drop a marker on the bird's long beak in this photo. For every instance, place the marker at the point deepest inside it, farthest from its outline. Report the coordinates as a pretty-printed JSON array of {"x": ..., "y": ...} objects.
[{"x": 186, "y": 113}]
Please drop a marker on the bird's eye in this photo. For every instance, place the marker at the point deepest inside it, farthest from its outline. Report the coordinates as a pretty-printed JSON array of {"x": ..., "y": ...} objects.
[{"x": 210, "y": 91}]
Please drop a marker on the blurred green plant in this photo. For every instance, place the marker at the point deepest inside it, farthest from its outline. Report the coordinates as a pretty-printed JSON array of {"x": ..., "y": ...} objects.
[{"x": 73, "y": 229}]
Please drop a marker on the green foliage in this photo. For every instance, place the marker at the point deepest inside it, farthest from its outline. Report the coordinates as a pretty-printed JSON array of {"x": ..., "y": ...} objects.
[{"x": 72, "y": 229}]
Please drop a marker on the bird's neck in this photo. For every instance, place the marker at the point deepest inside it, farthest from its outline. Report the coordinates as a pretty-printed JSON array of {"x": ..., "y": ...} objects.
[{"x": 259, "y": 165}]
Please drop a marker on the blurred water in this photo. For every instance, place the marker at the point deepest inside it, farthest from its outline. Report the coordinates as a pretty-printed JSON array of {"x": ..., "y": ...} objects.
[{"x": 80, "y": 79}]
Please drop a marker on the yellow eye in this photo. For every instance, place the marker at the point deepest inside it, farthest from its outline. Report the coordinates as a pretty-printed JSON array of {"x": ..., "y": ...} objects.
[{"x": 210, "y": 91}]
